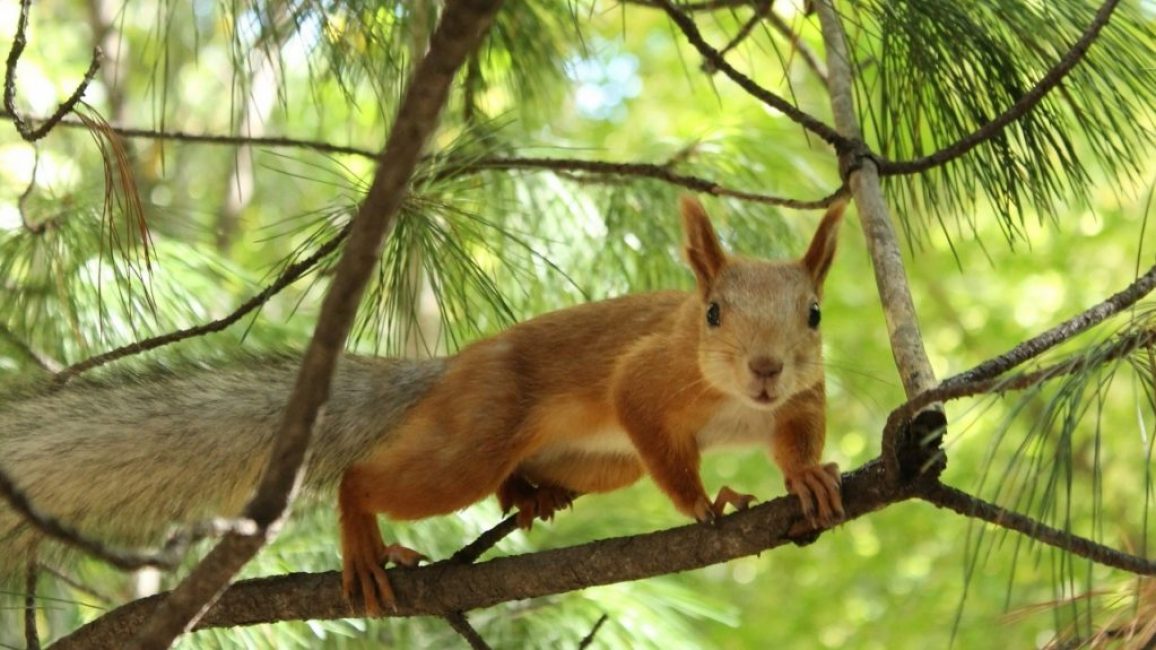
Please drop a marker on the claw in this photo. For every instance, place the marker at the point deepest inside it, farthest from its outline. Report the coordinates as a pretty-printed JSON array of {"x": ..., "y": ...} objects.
[
  {"x": 365, "y": 576},
  {"x": 818, "y": 489}
]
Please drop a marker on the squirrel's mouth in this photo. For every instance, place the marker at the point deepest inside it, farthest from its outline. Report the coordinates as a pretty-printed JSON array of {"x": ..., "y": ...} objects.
[{"x": 763, "y": 398}]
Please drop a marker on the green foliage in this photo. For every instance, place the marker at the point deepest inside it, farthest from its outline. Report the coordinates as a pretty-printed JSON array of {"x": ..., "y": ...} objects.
[{"x": 474, "y": 250}]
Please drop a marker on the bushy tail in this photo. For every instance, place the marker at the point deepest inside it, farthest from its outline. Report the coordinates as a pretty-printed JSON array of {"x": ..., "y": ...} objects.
[{"x": 126, "y": 459}]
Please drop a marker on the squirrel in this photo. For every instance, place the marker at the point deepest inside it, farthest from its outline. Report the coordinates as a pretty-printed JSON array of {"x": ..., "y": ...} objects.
[{"x": 581, "y": 400}]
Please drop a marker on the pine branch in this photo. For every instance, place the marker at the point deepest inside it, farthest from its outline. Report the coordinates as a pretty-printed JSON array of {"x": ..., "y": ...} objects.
[
  {"x": 19, "y": 42},
  {"x": 288, "y": 276},
  {"x": 1044, "y": 341},
  {"x": 461, "y": 625},
  {"x": 445, "y": 587},
  {"x": 459, "y": 30},
  {"x": 1046, "y": 84},
  {"x": 967, "y": 505},
  {"x": 636, "y": 170},
  {"x": 810, "y": 58},
  {"x": 478, "y": 165},
  {"x": 717, "y": 62},
  {"x": 589, "y": 638},
  {"x": 487, "y": 540},
  {"x": 57, "y": 529},
  {"x": 1120, "y": 347},
  {"x": 442, "y": 588},
  {"x": 890, "y": 276},
  {"x": 31, "y": 634},
  {"x": 216, "y": 138}
]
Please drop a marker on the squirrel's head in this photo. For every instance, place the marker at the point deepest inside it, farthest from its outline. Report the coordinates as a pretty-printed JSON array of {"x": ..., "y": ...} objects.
[{"x": 759, "y": 320}]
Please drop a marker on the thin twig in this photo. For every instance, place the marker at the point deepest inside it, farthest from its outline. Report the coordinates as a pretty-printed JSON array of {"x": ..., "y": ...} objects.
[
  {"x": 19, "y": 41},
  {"x": 690, "y": 30},
  {"x": 461, "y": 27},
  {"x": 761, "y": 9},
  {"x": 1036, "y": 345},
  {"x": 478, "y": 165},
  {"x": 1123, "y": 345},
  {"x": 56, "y": 529},
  {"x": 289, "y": 275},
  {"x": 77, "y": 585},
  {"x": 706, "y": 5},
  {"x": 214, "y": 138},
  {"x": 1046, "y": 84},
  {"x": 487, "y": 540},
  {"x": 641, "y": 170},
  {"x": 969, "y": 506},
  {"x": 22, "y": 201},
  {"x": 461, "y": 625},
  {"x": 589, "y": 638},
  {"x": 809, "y": 56},
  {"x": 42, "y": 361},
  {"x": 31, "y": 634}
]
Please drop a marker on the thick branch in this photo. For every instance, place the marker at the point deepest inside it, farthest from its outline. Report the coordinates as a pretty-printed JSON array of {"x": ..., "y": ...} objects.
[
  {"x": 890, "y": 276},
  {"x": 461, "y": 28},
  {"x": 967, "y": 505},
  {"x": 445, "y": 587},
  {"x": 1046, "y": 84},
  {"x": 686, "y": 24}
]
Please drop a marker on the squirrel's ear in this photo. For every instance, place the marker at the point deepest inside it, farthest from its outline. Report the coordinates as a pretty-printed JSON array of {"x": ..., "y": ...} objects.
[
  {"x": 702, "y": 249},
  {"x": 822, "y": 249}
]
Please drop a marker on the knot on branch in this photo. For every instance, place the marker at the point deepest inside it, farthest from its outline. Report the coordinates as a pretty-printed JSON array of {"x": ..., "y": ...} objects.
[
  {"x": 852, "y": 153},
  {"x": 919, "y": 446}
]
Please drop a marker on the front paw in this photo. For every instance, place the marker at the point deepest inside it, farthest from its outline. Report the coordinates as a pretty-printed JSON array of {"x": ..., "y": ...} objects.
[
  {"x": 708, "y": 512},
  {"x": 818, "y": 489}
]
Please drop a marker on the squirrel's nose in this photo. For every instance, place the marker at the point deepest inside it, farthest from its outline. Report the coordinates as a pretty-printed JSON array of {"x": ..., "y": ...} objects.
[{"x": 765, "y": 367}]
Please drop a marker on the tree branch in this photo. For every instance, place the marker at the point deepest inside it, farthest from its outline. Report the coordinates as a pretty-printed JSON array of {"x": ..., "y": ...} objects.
[
  {"x": 478, "y": 165},
  {"x": 1046, "y": 84},
  {"x": 809, "y": 57},
  {"x": 444, "y": 587},
  {"x": 19, "y": 41},
  {"x": 288, "y": 276},
  {"x": 461, "y": 625},
  {"x": 690, "y": 30},
  {"x": 1040, "y": 343},
  {"x": 967, "y": 505},
  {"x": 31, "y": 634},
  {"x": 890, "y": 277},
  {"x": 56, "y": 529},
  {"x": 589, "y": 638},
  {"x": 462, "y": 25},
  {"x": 216, "y": 138},
  {"x": 1122, "y": 346},
  {"x": 640, "y": 170}
]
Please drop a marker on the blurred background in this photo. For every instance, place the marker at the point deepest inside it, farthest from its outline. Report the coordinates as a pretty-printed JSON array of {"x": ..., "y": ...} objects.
[{"x": 1028, "y": 230}]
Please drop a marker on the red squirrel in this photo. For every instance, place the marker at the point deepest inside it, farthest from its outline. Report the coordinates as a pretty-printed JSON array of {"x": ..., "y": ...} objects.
[{"x": 589, "y": 398}]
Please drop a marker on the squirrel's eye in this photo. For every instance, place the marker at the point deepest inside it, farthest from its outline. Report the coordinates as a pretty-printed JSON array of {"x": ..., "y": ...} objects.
[
  {"x": 814, "y": 316},
  {"x": 712, "y": 315}
]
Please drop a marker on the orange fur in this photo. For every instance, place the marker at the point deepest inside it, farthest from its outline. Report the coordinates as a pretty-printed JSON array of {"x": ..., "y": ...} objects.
[{"x": 588, "y": 398}]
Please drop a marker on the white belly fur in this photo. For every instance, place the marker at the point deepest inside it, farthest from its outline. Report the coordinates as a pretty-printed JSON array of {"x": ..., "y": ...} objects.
[{"x": 735, "y": 424}]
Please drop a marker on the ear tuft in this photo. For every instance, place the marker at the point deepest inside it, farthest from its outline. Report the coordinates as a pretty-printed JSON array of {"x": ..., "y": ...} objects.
[
  {"x": 702, "y": 249},
  {"x": 821, "y": 252}
]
